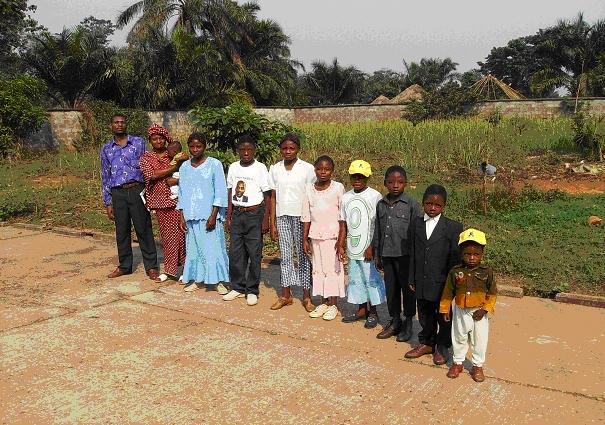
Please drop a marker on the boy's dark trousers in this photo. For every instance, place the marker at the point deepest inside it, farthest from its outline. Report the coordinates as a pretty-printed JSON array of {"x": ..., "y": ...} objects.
[
  {"x": 395, "y": 280},
  {"x": 429, "y": 318},
  {"x": 246, "y": 244},
  {"x": 128, "y": 206}
]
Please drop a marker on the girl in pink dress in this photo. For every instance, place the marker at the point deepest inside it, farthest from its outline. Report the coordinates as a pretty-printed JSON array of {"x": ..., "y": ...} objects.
[{"x": 321, "y": 222}]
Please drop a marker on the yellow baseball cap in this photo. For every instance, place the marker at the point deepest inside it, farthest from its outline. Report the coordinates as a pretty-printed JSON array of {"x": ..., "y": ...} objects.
[
  {"x": 472, "y": 235},
  {"x": 359, "y": 166}
]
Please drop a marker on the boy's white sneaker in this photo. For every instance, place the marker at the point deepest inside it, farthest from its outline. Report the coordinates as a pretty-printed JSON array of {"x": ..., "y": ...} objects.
[
  {"x": 251, "y": 299},
  {"x": 221, "y": 289},
  {"x": 331, "y": 313},
  {"x": 319, "y": 311},
  {"x": 232, "y": 295}
]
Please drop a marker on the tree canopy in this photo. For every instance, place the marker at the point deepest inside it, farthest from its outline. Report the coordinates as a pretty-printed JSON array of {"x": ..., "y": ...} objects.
[
  {"x": 185, "y": 53},
  {"x": 14, "y": 15},
  {"x": 73, "y": 63},
  {"x": 430, "y": 73},
  {"x": 569, "y": 55},
  {"x": 333, "y": 84}
]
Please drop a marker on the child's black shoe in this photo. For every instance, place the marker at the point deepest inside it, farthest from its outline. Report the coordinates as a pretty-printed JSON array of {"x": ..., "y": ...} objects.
[
  {"x": 390, "y": 330},
  {"x": 406, "y": 332},
  {"x": 371, "y": 322},
  {"x": 353, "y": 318}
]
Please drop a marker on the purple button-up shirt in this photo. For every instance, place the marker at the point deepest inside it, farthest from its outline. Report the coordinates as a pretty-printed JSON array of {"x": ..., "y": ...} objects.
[{"x": 120, "y": 165}]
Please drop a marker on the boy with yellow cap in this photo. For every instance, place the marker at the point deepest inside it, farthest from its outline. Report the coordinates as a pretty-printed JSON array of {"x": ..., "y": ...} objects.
[
  {"x": 472, "y": 288},
  {"x": 358, "y": 211}
]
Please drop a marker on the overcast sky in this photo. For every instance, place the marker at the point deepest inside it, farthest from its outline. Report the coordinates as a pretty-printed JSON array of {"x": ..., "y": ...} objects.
[{"x": 375, "y": 34}]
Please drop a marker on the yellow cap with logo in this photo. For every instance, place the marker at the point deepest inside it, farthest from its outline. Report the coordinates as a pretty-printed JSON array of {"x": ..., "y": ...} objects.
[
  {"x": 472, "y": 235},
  {"x": 359, "y": 166}
]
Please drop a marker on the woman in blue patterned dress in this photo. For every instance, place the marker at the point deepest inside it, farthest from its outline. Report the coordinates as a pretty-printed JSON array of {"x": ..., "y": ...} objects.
[{"x": 202, "y": 202}]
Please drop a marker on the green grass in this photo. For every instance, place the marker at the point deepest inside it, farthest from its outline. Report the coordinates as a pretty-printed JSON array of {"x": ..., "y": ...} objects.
[
  {"x": 538, "y": 238},
  {"x": 437, "y": 147}
]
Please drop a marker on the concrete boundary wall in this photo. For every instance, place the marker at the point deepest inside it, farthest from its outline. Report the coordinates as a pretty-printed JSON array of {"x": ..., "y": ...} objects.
[{"x": 65, "y": 124}]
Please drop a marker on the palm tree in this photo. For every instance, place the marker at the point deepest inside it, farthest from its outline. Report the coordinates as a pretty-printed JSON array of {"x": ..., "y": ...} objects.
[
  {"x": 235, "y": 51},
  {"x": 567, "y": 54},
  {"x": 334, "y": 84},
  {"x": 430, "y": 73},
  {"x": 220, "y": 21},
  {"x": 73, "y": 63},
  {"x": 156, "y": 14},
  {"x": 174, "y": 72},
  {"x": 266, "y": 69}
]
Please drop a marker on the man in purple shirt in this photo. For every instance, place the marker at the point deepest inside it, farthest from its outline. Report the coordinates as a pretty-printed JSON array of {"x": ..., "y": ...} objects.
[{"x": 122, "y": 187}]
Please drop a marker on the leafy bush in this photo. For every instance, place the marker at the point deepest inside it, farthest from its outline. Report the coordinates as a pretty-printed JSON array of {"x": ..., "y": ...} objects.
[
  {"x": 95, "y": 122},
  {"x": 224, "y": 126},
  {"x": 505, "y": 198},
  {"x": 588, "y": 132},
  {"x": 16, "y": 208},
  {"x": 449, "y": 101},
  {"x": 21, "y": 109}
]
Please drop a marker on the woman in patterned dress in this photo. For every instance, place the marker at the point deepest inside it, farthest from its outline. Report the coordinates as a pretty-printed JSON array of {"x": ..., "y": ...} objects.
[{"x": 157, "y": 173}]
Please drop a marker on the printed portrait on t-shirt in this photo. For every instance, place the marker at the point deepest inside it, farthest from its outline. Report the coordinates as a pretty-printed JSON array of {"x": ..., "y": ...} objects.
[{"x": 240, "y": 189}]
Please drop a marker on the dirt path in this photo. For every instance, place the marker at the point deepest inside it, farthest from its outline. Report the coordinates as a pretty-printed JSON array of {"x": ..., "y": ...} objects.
[{"x": 80, "y": 348}]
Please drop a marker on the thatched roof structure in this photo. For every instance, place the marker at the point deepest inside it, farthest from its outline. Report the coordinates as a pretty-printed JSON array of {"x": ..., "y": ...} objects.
[
  {"x": 490, "y": 87},
  {"x": 381, "y": 100},
  {"x": 413, "y": 92}
]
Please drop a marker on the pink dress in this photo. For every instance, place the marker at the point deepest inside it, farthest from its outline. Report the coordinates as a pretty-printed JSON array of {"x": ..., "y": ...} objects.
[{"x": 321, "y": 208}]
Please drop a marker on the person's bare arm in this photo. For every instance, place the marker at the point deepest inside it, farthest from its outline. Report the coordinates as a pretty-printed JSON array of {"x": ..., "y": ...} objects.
[
  {"x": 306, "y": 226},
  {"x": 182, "y": 223},
  {"x": 211, "y": 222},
  {"x": 268, "y": 211},
  {"x": 274, "y": 235},
  {"x": 340, "y": 242},
  {"x": 229, "y": 211}
]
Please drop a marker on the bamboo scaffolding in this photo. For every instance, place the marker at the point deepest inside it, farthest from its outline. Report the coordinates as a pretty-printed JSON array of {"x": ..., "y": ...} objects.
[{"x": 489, "y": 85}]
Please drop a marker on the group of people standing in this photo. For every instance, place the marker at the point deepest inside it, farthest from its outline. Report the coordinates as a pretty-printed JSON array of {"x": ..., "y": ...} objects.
[{"x": 413, "y": 256}]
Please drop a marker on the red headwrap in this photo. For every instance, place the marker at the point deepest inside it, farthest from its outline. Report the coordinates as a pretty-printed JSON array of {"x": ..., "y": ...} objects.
[{"x": 158, "y": 129}]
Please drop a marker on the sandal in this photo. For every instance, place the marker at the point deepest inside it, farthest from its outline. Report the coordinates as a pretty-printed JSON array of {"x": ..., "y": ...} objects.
[
  {"x": 281, "y": 302},
  {"x": 161, "y": 278},
  {"x": 308, "y": 305}
]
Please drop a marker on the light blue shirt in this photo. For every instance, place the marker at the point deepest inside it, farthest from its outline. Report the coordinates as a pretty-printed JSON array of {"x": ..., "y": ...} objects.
[{"x": 201, "y": 188}]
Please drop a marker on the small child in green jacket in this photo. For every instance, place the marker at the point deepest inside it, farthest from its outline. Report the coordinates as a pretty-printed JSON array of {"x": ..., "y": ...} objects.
[{"x": 472, "y": 288}]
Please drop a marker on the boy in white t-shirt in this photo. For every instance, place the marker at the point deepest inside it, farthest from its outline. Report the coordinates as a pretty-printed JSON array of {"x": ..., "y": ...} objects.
[
  {"x": 247, "y": 220},
  {"x": 358, "y": 211}
]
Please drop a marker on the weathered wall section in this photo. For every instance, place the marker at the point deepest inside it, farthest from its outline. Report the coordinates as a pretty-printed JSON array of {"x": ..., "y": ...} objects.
[
  {"x": 350, "y": 113},
  {"x": 66, "y": 125},
  {"x": 175, "y": 122},
  {"x": 547, "y": 108}
]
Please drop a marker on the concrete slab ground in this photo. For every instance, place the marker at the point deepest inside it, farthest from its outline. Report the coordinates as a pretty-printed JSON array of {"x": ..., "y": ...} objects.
[{"x": 79, "y": 348}]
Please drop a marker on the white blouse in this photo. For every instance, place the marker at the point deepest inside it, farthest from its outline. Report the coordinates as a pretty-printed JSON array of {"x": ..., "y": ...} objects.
[{"x": 289, "y": 186}]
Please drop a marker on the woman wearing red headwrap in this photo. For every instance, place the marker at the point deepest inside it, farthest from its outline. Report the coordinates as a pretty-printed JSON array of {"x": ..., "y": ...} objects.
[{"x": 157, "y": 172}]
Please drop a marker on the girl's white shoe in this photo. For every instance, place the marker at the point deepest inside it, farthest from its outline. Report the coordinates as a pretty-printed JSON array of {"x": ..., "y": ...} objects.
[
  {"x": 319, "y": 311},
  {"x": 331, "y": 313}
]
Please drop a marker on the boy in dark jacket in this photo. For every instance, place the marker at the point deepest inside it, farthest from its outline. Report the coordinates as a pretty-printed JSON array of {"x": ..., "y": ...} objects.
[
  {"x": 394, "y": 213},
  {"x": 434, "y": 251}
]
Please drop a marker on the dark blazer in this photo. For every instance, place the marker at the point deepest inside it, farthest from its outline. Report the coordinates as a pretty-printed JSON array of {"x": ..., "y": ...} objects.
[
  {"x": 431, "y": 261},
  {"x": 391, "y": 227}
]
